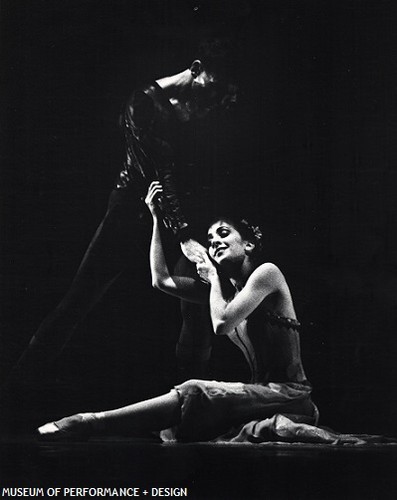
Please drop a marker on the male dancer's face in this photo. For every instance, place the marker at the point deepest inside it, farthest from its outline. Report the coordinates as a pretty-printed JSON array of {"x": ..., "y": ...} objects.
[{"x": 210, "y": 91}]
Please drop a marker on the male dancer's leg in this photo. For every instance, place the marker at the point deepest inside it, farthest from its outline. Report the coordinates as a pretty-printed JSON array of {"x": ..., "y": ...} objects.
[
  {"x": 193, "y": 349},
  {"x": 105, "y": 259}
]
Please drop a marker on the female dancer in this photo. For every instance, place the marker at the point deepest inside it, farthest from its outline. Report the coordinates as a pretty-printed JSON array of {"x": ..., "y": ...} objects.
[{"x": 251, "y": 303}]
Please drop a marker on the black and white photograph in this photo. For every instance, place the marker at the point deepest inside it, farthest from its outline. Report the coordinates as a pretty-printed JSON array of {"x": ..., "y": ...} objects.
[{"x": 198, "y": 249}]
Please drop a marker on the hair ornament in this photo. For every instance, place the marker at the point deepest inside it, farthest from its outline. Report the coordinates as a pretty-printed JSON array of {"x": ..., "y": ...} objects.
[{"x": 255, "y": 230}]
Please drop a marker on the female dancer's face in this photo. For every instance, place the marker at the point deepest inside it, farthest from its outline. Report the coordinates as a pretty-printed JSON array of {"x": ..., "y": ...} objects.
[{"x": 225, "y": 243}]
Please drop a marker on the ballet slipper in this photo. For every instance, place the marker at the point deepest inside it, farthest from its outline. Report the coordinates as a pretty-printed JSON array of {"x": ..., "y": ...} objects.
[{"x": 77, "y": 427}]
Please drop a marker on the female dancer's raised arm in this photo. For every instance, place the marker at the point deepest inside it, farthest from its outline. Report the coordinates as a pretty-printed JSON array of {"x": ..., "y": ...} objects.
[{"x": 179, "y": 286}]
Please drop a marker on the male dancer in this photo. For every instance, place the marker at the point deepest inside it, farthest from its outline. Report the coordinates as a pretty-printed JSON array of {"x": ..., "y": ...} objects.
[{"x": 152, "y": 120}]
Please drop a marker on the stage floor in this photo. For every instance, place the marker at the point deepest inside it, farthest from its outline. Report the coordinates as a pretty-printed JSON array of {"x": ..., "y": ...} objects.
[{"x": 202, "y": 471}]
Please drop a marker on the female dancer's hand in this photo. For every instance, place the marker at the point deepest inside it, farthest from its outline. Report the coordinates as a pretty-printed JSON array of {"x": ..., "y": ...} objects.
[
  {"x": 193, "y": 250},
  {"x": 155, "y": 190},
  {"x": 206, "y": 269}
]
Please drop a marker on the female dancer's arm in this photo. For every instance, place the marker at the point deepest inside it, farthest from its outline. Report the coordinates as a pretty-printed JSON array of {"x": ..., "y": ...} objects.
[
  {"x": 226, "y": 315},
  {"x": 179, "y": 286}
]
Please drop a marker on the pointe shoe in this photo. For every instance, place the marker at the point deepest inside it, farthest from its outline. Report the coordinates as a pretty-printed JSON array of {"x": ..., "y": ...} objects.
[{"x": 74, "y": 428}]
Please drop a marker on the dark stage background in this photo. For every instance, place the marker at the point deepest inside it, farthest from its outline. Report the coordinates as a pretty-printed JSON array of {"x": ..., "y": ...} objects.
[{"x": 310, "y": 150}]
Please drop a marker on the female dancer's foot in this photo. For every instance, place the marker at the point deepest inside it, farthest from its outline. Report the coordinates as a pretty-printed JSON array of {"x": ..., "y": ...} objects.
[{"x": 77, "y": 427}]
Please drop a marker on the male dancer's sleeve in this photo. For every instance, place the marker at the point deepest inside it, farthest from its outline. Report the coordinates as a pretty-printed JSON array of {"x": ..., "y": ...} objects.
[{"x": 149, "y": 158}]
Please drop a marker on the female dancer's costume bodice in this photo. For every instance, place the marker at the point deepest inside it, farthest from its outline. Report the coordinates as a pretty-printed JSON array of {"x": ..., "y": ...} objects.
[{"x": 271, "y": 346}]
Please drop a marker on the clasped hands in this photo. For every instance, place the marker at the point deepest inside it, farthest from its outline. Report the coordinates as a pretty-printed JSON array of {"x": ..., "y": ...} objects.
[{"x": 192, "y": 249}]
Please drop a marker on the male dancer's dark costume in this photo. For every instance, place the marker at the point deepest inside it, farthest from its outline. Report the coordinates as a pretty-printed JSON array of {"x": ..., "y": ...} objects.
[{"x": 151, "y": 130}]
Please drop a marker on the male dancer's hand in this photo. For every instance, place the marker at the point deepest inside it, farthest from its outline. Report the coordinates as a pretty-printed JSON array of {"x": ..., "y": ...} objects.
[{"x": 193, "y": 251}]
